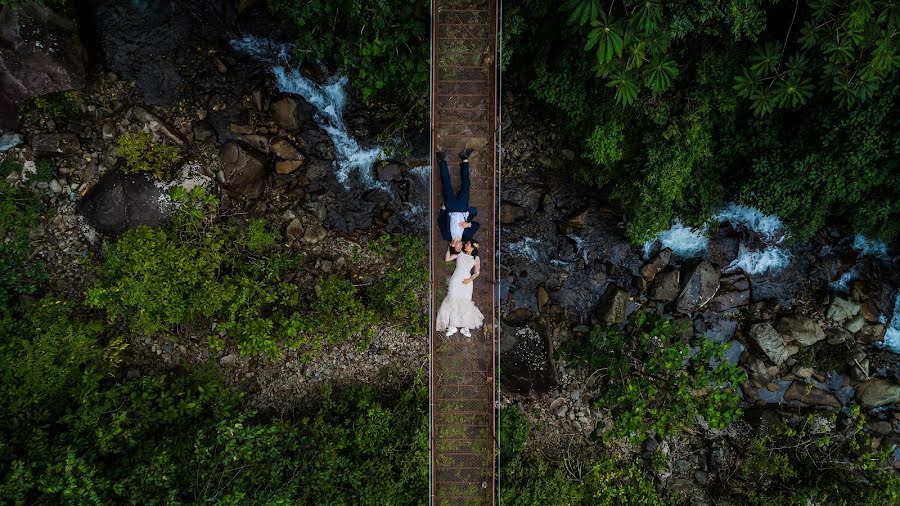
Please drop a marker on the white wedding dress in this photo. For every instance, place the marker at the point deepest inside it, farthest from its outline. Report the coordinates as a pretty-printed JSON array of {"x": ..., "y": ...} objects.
[{"x": 457, "y": 309}]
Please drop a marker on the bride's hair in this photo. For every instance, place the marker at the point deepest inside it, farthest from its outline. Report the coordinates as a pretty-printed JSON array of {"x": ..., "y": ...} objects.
[{"x": 474, "y": 248}]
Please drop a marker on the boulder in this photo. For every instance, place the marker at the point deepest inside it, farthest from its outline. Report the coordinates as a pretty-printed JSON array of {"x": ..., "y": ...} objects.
[
  {"x": 612, "y": 306},
  {"x": 842, "y": 309},
  {"x": 666, "y": 286},
  {"x": 659, "y": 262},
  {"x": 55, "y": 144},
  {"x": 800, "y": 329},
  {"x": 510, "y": 213},
  {"x": 542, "y": 297},
  {"x": 734, "y": 291},
  {"x": 287, "y": 166},
  {"x": 877, "y": 392},
  {"x": 578, "y": 219},
  {"x": 294, "y": 230},
  {"x": 871, "y": 333},
  {"x": 814, "y": 397},
  {"x": 854, "y": 324},
  {"x": 389, "y": 171},
  {"x": 701, "y": 285},
  {"x": 771, "y": 343},
  {"x": 119, "y": 202},
  {"x": 724, "y": 246},
  {"x": 287, "y": 150},
  {"x": 244, "y": 169},
  {"x": 40, "y": 53},
  {"x": 284, "y": 112}
]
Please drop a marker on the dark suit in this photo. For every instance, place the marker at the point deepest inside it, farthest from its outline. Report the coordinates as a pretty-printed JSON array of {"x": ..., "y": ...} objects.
[
  {"x": 455, "y": 201},
  {"x": 444, "y": 224}
]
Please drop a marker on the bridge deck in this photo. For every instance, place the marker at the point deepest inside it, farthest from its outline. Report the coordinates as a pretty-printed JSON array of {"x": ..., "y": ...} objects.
[{"x": 463, "y": 114}]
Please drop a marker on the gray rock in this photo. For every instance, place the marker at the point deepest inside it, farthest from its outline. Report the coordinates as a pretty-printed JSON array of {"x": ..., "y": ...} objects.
[
  {"x": 243, "y": 169},
  {"x": 666, "y": 286},
  {"x": 294, "y": 229},
  {"x": 119, "y": 202},
  {"x": 800, "y": 329},
  {"x": 806, "y": 396},
  {"x": 771, "y": 343},
  {"x": 155, "y": 124},
  {"x": 55, "y": 144},
  {"x": 842, "y": 309},
  {"x": 659, "y": 262},
  {"x": 314, "y": 233},
  {"x": 390, "y": 171},
  {"x": 701, "y": 285},
  {"x": 284, "y": 112},
  {"x": 871, "y": 333},
  {"x": 511, "y": 213},
  {"x": 9, "y": 140},
  {"x": 287, "y": 150},
  {"x": 877, "y": 392},
  {"x": 55, "y": 186},
  {"x": 612, "y": 306},
  {"x": 40, "y": 53},
  {"x": 855, "y": 324},
  {"x": 734, "y": 291}
]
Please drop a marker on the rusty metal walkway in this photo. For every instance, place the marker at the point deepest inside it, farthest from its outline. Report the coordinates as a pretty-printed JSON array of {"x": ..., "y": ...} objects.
[{"x": 463, "y": 370}]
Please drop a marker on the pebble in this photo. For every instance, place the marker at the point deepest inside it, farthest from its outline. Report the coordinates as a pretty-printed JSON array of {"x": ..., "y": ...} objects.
[{"x": 55, "y": 186}]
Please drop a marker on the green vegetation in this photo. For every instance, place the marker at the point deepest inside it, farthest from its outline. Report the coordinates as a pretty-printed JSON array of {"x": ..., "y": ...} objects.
[
  {"x": 531, "y": 480},
  {"x": 781, "y": 105},
  {"x": 815, "y": 460},
  {"x": 654, "y": 382},
  {"x": 20, "y": 209},
  {"x": 380, "y": 45},
  {"x": 398, "y": 292},
  {"x": 74, "y": 431},
  {"x": 53, "y": 106},
  {"x": 141, "y": 154}
]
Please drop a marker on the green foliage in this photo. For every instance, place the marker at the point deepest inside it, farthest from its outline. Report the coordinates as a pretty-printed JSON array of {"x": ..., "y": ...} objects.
[
  {"x": 513, "y": 433},
  {"x": 655, "y": 383},
  {"x": 336, "y": 315},
  {"x": 399, "y": 294},
  {"x": 381, "y": 45},
  {"x": 141, "y": 154},
  {"x": 815, "y": 460},
  {"x": 20, "y": 209},
  {"x": 604, "y": 481},
  {"x": 53, "y": 106}
]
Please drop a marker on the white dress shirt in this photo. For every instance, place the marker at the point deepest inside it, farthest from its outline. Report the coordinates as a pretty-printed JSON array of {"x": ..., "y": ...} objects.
[{"x": 456, "y": 231}]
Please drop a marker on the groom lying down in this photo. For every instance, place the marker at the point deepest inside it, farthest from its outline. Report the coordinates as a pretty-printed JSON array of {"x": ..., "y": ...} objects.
[{"x": 455, "y": 217}]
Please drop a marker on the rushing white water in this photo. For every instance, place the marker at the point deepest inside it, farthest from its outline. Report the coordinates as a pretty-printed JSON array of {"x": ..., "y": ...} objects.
[
  {"x": 760, "y": 261},
  {"x": 892, "y": 336},
  {"x": 329, "y": 100},
  {"x": 869, "y": 247},
  {"x": 684, "y": 241},
  {"x": 526, "y": 248},
  {"x": 770, "y": 227}
]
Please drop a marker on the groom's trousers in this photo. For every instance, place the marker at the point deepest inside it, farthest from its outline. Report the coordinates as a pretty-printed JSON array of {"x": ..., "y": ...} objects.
[{"x": 455, "y": 202}]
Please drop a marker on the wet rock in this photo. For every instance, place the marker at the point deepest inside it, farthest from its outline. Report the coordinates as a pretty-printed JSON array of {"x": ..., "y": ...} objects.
[
  {"x": 284, "y": 112},
  {"x": 527, "y": 365},
  {"x": 659, "y": 262},
  {"x": 287, "y": 166},
  {"x": 40, "y": 53},
  {"x": 842, "y": 309},
  {"x": 259, "y": 142},
  {"x": 204, "y": 131},
  {"x": 314, "y": 233},
  {"x": 390, "y": 171},
  {"x": 243, "y": 169},
  {"x": 578, "y": 220},
  {"x": 724, "y": 246},
  {"x": 10, "y": 140},
  {"x": 510, "y": 213},
  {"x": 119, "y": 202},
  {"x": 55, "y": 144},
  {"x": 771, "y": 343},
  {"x": 734, "y": 291},
  {"x": 701, "y": 285},
  {"x": 871, "y": 333},
  {"x": 288, "y": 150},
  {"x": 294, "y": 229},
  {"x": 666, "y": 286},
  {"x": 813, "y": 397},
  {"x": 877, "y": 392},
  {"x": 612, "y": 306},
  {"x": 542, "y": 297},
  {"x": 854, "y": 324},
  {"x": 837, "y": 336},
  {"x": 801, "y": 329}
]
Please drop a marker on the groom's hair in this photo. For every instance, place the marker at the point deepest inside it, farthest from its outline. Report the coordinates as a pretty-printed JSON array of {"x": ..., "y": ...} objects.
[{"x": 454, "y": 250}]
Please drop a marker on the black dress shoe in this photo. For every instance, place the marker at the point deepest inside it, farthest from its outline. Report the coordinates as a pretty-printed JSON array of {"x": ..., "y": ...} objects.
[
  {"x": 464, "y": 155},
  {"x": 441, "y": 156}
]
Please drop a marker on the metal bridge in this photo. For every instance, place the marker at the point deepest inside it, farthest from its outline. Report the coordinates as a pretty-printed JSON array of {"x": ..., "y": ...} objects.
[{"x": 464, "y": 84}]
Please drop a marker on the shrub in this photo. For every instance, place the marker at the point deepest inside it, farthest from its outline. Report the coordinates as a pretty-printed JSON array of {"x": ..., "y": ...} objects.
[
  {"x": 53, "y": 106},
  {"x": 381, "y": 45},
  {"x": 20, "y": 209},
  {"x": 513, "y": 433},
  {"x": 141, "y": 154},
  {"x": 655, "y": 383},
  {"x": 398, "y": 294},
  {"x": 336, "y": 315}
]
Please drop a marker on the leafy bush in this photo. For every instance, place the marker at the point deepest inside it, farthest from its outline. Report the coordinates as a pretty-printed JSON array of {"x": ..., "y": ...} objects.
[
  {"x": 53, "y": 106},
  {"x": 141, "y": 154},
  {"x": 655, "y": 383},
  {"x": 398, "y": 294},
  {"x": 815, "y": 460},
  {"x": 199, "y": 271},
  {"x": 513, "y": 433},
  {"x": 381, "y": 45},
  {"x": 20, "y": 209}
]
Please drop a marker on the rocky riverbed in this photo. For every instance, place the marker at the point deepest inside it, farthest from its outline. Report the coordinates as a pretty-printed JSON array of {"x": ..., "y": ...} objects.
[
  {"x": 171, "y": 71},
  {"x": 807, "y": 321}
]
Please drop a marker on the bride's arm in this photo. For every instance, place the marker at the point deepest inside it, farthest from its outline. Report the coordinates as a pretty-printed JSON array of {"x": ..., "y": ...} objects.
[
  {"x": 449, "y": 257},
  {"x": 476, "y": 273}
]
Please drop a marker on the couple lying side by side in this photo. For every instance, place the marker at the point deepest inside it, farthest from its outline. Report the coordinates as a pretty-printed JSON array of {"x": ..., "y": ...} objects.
[{"x": 458, "y": 310}]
